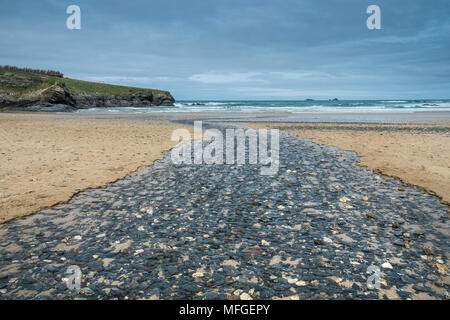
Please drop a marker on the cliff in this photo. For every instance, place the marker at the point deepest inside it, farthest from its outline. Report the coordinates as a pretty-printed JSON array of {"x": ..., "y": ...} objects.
[{"x": 37, "y": 92}]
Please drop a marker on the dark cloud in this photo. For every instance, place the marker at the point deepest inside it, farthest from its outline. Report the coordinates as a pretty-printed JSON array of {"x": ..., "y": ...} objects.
[{"x": 237, "y": 49}]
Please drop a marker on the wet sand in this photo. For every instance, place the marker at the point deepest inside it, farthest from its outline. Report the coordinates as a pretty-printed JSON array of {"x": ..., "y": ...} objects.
[
  {"x": 416, "y": 153},
  {"x": 47, "y": 158}
]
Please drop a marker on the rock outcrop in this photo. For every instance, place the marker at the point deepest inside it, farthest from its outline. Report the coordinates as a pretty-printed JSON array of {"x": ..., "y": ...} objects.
[
  {"x": 99, "y": 100},
  {"x": 58, "y": 98}
]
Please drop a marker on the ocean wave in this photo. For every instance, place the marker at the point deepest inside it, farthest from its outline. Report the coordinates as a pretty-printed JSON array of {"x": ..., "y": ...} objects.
[{"x": 289, "y": 106}]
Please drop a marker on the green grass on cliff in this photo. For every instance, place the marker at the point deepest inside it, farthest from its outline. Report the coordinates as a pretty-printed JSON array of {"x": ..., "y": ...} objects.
[{"x": 20, "y": 82}]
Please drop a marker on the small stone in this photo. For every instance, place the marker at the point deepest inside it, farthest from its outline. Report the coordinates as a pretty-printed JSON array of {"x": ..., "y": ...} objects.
[
  {"x": 418, "y": 234},
  {"x": 197, "y": 275},
  {"x": 365, "y": 198},
  {"x": 78, "y": 238},
  {"x": 245, "y": 296},
  {"x": 386, "y": 265},
  {"x": 344, "y": 199},
  {"x": 442, "y": 269},
  {"x": 318, "y": 242},
  {"x": 50, "y": 268},
  {"x": 327, "y": 240},
  {"x": 338, "y": 280},
  {"x": 428, "y": 251},
  {"x": 300, "y": 283},
  {"x": 86, "y": 292},
  {"x": 315, "y": 282},
  {"x": 371, "y": 216},
  {"x": 211, "y": 296},
  {"x": 140, "y": 228},
  {"x": 401, "y": 189},
  {"x": 281, "y": 207},
  {"x": 265, "y": 243},
  {"x": 138, "y": 251}
]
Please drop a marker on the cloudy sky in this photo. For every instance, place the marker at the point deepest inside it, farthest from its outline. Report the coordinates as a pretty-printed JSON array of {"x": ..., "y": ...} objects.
[{"x": 239, "y": 49}]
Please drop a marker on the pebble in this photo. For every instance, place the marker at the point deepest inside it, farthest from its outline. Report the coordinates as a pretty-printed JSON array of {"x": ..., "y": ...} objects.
[
  {"x": 371, "y": 216},
  {"x": 344, "y": 199},
  {"x": 301, "y": 283},
  {"x": 442, "y": 269},
  {"x": 245, "y": 296},
  {"x": 197, "y": 275},
  {"x": 428, "y": 251},
  {"x": 86, "y": 292}
]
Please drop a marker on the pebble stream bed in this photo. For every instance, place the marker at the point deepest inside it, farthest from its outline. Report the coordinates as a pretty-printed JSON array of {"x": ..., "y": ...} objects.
[{"x": 226, "y": 232}]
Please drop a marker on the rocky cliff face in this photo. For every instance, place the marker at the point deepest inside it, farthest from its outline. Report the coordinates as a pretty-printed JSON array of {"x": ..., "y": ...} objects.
[
  {"x": 111, "y": 101},
  {"x": 58, "y": 98}
]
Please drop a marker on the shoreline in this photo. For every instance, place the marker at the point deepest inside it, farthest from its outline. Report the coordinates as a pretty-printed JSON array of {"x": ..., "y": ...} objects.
[{"x": 272, "y": 116}]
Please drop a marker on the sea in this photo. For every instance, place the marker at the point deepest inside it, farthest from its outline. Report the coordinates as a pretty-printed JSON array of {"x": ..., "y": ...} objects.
[{"x": 300, "y": 106}]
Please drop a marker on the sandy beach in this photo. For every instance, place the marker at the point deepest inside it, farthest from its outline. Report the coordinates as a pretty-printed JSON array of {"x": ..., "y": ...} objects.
[
  {"x": 416, "y": 153},
  {"x": 46, "y": 158},
  {"x": 198, "y": 231}
]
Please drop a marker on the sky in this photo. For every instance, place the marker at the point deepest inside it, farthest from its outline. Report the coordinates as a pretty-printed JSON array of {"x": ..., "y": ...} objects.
[{"x": 239, "y": 49}]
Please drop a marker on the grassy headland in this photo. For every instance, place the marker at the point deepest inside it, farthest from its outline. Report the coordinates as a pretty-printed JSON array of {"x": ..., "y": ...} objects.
[
  {"x": 21, "y": 82},
  {"x": 34, "y": 91}
]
